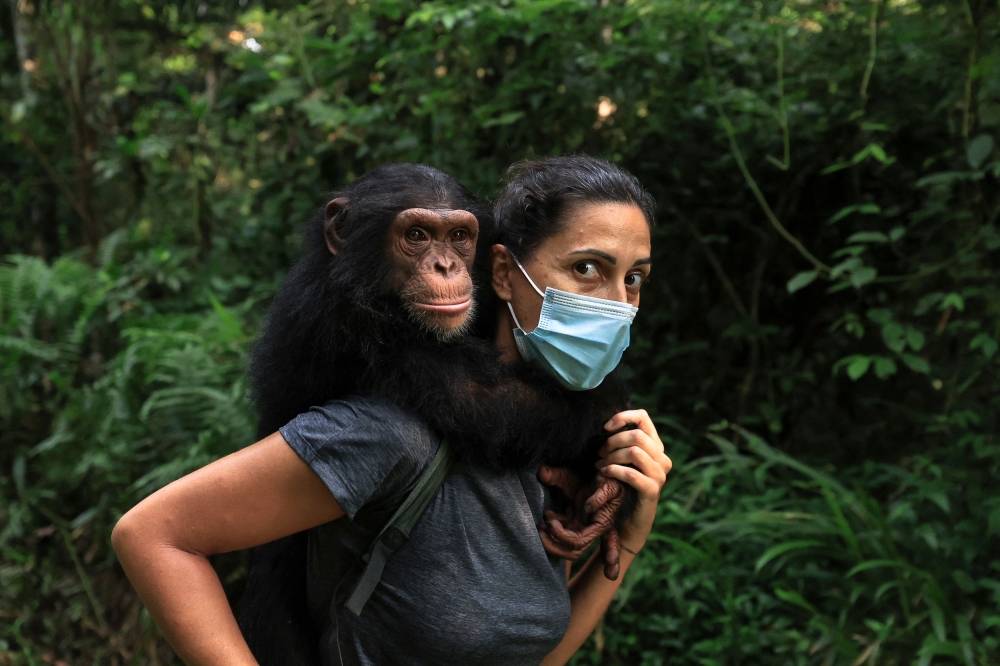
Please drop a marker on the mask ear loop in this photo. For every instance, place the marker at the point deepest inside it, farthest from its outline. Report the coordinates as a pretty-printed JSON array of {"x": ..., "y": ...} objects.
[
  {"x": 513, "y": 315},
  {"x": 525, "y": 273},
  {"x": 530, "y": 281}
]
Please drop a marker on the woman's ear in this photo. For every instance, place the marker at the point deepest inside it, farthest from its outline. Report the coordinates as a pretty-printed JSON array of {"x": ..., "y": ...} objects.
[{"x": 501, "y": 272}]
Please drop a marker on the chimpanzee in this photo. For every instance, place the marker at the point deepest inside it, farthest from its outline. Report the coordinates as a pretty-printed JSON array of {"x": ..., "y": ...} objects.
[{"x": 381, "y": 304}]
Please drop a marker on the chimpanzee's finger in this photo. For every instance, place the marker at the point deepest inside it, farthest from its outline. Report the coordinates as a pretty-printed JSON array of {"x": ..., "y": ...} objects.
[
  {"x": 607, "y": 489},
  {"x": 569, "y": 536},
  {"x": 553, "y": 547},
  {"x": 578, "y": 539},
  {"x": 605, "y": 516},
  {"x": 567, "y": 520},
  {"x": 611, "y": 548},
  {"x": 560, "y": 477}
]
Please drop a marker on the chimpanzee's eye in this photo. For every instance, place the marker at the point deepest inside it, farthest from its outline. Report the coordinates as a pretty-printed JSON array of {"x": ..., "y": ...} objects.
[
  {"x": 460, "y": 236},
  {"x": 416, "y": 235},
  {"x": 586, "y": 269}
]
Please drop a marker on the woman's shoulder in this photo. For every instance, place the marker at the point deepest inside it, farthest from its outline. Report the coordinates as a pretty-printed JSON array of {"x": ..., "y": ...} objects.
[
  {"x": 366, "y": 410},
  {"x": 376, "y": 426},
  {"x": 364, "y": 449}
]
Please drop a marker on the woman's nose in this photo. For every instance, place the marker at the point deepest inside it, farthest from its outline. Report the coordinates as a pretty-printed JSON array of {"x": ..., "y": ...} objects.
[{"x": 615, "y": 291}]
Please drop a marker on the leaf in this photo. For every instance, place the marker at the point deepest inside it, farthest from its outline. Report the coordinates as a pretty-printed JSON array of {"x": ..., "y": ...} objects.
[
  {"x": 508, "y": 118},
  {"x": 857, "y": 368},
  {"x": 979, "y": 149},
  {"x": 851, "y": 251},
  {"x": 937, "y": 620},
  {"x": 321, "y": 113},
  {"x": 952, "y": 300},
  {"x": 793, "y": 597},
  {"x": 183, "y": 93},
  {"x": 884, "y": 367},
  {"x": 841, "y": 214},
  {"x": 941, "y": 499},
  {"x": 801, "y": 281},
  {"x": 62, "y": 434},
  {"x": 916, "y": 363},
  {"x": 230, "y": 326},
  {"x": 84, "y": 517},
  {"x": 783, "y": 548},
  {"x": 839, "y": 166},
  {"x": 845, "y": 266},
  {"x": 876, "y": 564},
  {"x": 894, "y": 336},
  {"x": 867, "y": 209},
  {"x": 862, "y": 276},
  {"x": 897, "y": 233},
  {"x": 988, "y": 345},
  {"x": 964, "y": 632},
  {"x": 915, "y": 339},
  {"x": 947, "y": 177},
  {"x": 879, "y": 154},
  {"x": 868, "y": 237},
  {"x": 33, "y": 348},
  {"x": 880, "y": 315},
  {"x": 19, "y": 472}
]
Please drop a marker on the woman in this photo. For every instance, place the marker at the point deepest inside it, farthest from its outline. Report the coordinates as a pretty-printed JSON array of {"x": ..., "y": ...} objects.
[{"x": 486, "y": 591}]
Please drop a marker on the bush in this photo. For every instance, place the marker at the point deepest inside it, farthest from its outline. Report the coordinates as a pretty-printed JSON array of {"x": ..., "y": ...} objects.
[{"x": 825, "y": 280}]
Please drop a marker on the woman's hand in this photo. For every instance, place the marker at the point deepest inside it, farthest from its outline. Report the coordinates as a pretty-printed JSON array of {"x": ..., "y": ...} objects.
[{"x": 636, "y": 457}]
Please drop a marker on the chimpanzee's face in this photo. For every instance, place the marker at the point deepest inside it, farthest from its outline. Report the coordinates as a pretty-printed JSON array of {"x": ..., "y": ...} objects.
[{"x": 431, "y": 251}]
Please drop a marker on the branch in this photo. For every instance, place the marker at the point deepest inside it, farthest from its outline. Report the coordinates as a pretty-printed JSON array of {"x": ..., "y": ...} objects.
[
  {"x": 717, "y": 267},
  {"x": 53, "y": 176},
  {"x": 734, "y": 148},
  {"x": 872, "y": 49}
]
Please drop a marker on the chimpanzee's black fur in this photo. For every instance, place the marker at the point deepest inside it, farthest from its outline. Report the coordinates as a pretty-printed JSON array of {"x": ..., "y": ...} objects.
[{"x": 336, "y": 328}]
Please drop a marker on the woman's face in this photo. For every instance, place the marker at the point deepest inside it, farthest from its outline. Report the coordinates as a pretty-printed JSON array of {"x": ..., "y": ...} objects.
[{"x": 602, "y": 250}]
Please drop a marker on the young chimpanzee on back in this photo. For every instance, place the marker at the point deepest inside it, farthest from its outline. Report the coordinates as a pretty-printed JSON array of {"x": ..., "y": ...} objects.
[{"x": 381, "y": 304}]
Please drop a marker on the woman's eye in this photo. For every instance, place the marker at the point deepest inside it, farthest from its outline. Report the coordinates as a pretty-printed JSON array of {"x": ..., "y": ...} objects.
[
  {"x": 586, "y": 269},
  {"x": 634, "y": 281},
  {"x": 415, "y": 235}
]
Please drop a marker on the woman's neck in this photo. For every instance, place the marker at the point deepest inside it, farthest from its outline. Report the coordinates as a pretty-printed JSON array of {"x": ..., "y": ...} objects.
[{"x": 504, "y": 338}]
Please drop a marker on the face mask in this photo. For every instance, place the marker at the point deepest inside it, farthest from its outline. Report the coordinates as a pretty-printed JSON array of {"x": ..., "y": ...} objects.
[{"x": 579, "y": 339}]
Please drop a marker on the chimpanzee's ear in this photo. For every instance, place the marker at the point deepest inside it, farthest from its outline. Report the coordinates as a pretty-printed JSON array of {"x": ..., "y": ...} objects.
[{"x": 336, "y": 213}]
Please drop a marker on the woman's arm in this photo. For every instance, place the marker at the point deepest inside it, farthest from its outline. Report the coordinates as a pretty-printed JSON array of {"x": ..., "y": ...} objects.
[
  {"x": 635, "y": 457},
  {"x": 254, "y": 496}
]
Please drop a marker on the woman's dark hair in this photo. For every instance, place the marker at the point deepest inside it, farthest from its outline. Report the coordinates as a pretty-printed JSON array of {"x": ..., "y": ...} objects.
[{"x": 531, "y": 206}]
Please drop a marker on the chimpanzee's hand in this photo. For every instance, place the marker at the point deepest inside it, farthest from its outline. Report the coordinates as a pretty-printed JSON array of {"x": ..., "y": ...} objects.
[{"x": 591, "y": 515}]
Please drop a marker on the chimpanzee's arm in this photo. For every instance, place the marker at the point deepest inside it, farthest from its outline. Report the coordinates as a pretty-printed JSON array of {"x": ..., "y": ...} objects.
[{"x": 637, "y": 459}]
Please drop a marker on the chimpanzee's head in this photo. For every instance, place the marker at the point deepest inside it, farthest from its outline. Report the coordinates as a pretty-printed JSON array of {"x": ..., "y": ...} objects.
[{"x": 424, "y": 225}]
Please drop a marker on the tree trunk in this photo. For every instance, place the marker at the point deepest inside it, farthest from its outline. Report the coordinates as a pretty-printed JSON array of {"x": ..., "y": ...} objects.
[{"x": 25, "y": 64}]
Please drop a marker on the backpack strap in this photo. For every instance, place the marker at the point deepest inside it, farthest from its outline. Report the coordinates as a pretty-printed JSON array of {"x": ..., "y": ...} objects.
[{"x": 397, "y": 530}]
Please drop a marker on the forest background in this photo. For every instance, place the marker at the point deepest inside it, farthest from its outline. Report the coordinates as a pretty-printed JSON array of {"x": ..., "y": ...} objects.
[{"x": 819, "y": 344}]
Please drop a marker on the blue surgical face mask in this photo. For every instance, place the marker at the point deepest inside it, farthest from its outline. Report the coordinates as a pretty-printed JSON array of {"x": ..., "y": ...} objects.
[{"x": 579, "y": 340}]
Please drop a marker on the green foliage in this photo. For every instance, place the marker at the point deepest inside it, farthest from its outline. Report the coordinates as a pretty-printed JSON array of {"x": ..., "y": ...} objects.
[
  {"x": 759, "y": 558},
  {"x": 825, "y": 278}
]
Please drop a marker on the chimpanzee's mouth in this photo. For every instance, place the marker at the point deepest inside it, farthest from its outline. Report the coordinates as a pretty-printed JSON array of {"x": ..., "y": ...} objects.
[{"x": 446, "y": 308}]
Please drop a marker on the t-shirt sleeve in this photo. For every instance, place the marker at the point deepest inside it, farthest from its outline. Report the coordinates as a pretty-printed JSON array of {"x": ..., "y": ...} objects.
[{"x": 366, "y": 452}]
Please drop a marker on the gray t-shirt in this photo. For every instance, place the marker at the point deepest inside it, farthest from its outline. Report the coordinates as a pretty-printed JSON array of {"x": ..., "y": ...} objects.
[{"x": 471, "y": 586}]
